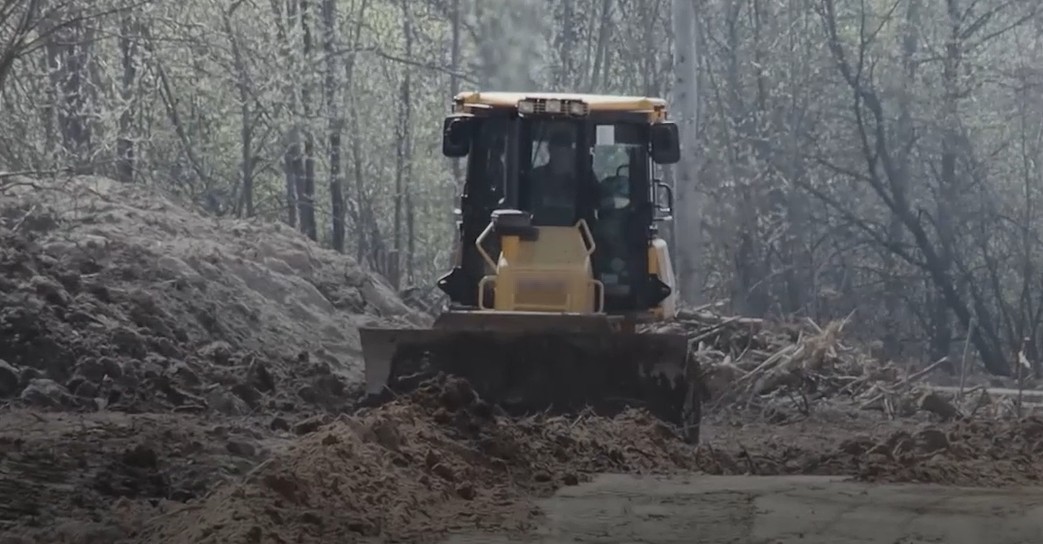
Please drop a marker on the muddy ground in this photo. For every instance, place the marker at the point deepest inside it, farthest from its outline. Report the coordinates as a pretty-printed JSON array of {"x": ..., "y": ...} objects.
[
  {"x": 425, "y": 467},
  {"x": 166, "y": 377},
  {"x": 774, "y": 510}
]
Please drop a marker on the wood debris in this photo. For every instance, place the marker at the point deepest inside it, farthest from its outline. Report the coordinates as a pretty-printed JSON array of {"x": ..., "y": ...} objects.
[{"x": 757, "y": 364}]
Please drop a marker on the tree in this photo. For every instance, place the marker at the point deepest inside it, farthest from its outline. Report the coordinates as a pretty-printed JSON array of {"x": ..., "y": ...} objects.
[{"x": 689, "y": 246}]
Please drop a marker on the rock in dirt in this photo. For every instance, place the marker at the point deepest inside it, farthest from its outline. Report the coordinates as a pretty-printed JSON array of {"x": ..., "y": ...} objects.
[
  {"x": 46, "y": 393},
  {"x": 94, "y": 370},
  {"x": 934, "y": 403},
  {"x": 241, "y": 448},
  {"x": 931, "y": 440},
  {"x": 226, "y": 402},
  {"x": 466, "y": 492},
  {"x": 311, "y": 424},
  {"x": 260, "y": 378},
  {"x": 141, "y": 456},
  {"x": 9, "y": 380}
]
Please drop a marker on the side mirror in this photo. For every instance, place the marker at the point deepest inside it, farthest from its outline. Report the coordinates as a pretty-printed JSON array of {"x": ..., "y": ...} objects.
[
  {"x": 456, "y": 135},
  {"x": 666, "y": 146}
]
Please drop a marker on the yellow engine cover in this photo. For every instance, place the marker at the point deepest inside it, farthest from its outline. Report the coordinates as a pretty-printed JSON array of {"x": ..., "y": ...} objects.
[{"x": 552, "y": 273}]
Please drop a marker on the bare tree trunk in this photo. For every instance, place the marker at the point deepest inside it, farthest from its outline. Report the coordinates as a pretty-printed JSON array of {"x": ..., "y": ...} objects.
[
  {"x": 797, "y": 260},
  {"x": 403, "y": 201},
  {"x": 904, "y": 134},
  {"x": 941, "y": 317},
  {"x": 1028, "y": 318},
  {"x": 566, "y": 43},
  {"x": 128, "y": 43},
  {"x": 454, "y": 77},
  {"x": 454, "y": 88},
  {"x": 690, "y": 248},
  {"x": 364, "y": 222},
  {"x": 48, "y": 114},
  {"x": 355, "y": 207},
  {"x": 245, "y": 201},
  {"x": 329, "y": 16},
  {"x": 291, "y": 145},
  {"x": 71, "y": 49},
  {"x": 306, "y": 181},
  {"x": 407, "y": 148},
  {"x": 598, "y": 74}
]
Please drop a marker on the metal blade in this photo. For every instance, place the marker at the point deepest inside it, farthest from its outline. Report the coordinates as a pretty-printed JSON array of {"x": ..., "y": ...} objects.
[{"x": 526, "y": 371}]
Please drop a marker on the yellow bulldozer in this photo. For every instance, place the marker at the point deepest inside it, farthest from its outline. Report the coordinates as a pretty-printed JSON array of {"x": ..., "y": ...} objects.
[{"x": 559, "y": 267}]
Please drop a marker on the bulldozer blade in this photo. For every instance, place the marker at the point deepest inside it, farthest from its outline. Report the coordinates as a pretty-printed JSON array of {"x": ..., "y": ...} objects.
[
  {"x": 558, "y": 368},
  {"x": 529, "y": 322}
]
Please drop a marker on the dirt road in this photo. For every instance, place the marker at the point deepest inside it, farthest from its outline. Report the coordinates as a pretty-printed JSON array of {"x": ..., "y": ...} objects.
[{"x": 775, "y": 510}]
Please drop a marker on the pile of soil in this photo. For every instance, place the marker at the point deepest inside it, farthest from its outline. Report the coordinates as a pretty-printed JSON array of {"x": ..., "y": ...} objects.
[
  {"x": 439, "y": 460},
  {"x": 149, "y": 353},
  {"x": 114, "y": 297}
]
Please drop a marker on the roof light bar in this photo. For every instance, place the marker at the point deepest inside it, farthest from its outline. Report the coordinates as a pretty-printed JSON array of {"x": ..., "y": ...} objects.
[{"x": 552, "y": 106}]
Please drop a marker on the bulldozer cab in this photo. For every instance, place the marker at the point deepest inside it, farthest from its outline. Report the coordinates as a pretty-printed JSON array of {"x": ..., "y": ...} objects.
[{"x": 564, "y": 161}]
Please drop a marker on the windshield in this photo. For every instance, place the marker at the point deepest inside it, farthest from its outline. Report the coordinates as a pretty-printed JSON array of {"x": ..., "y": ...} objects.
[
  {"x": 566, "y": 168},
  {"x": 556, "y": 173}
]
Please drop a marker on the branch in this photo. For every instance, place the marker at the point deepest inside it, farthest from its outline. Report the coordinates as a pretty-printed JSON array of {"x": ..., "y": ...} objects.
[
  {"x": 420, "y": 64},
  {"x": 862, "y": 225},
  {"x": 170, "y": 103},
  {"x": 42, "y": 37}
]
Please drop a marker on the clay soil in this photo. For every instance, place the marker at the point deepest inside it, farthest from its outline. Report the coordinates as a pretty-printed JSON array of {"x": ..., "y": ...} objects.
[{"x": 167, "y": 377}]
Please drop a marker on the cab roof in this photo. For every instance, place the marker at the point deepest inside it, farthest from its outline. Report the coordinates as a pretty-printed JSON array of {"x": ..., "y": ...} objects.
[{"x": 596, "y": 102}]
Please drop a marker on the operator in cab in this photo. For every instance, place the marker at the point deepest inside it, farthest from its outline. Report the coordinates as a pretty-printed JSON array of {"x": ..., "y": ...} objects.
[{"x": 557, "y": 191}]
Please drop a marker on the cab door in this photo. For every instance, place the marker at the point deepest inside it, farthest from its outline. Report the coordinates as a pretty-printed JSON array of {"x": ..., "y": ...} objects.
[{"x": 620, "y": 161}]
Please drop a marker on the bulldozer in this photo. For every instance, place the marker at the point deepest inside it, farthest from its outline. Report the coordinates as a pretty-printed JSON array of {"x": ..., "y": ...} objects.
[{"x": 559, "y": 268}]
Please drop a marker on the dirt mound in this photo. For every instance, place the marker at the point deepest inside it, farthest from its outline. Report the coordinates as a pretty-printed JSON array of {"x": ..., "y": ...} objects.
[
  {"x": 112, "y": 296},
  {"x": 412, "y": 469},
  {"x": 149, "y": 353},
  {"x": 441, "y": 459}
]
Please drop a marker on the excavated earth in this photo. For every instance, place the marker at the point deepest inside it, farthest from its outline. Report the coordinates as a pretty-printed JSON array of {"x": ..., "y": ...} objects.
[{"x": 169, "y": 377}]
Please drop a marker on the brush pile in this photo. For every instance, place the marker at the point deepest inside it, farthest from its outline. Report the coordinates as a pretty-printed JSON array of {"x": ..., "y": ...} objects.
[{"x": 783, "y": 370}]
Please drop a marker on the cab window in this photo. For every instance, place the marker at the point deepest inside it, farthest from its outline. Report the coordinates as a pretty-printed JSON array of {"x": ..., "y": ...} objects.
[
  {"x": 555, "y": 177},
  {"x": 619, "y": 155},
  {"x": 488, "y": 160}
]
